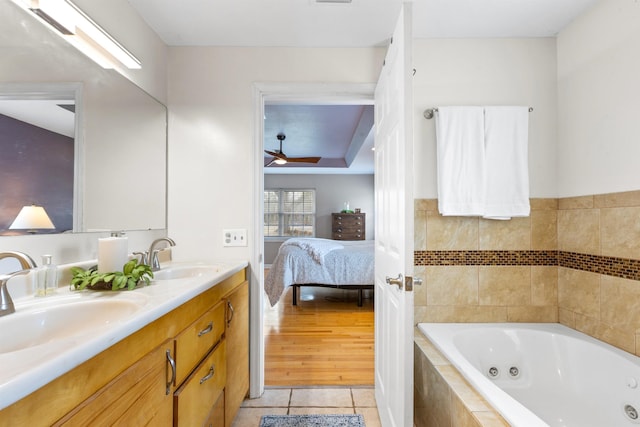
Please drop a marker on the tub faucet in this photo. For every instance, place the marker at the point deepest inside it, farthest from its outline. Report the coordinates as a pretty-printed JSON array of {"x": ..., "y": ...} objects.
[
  {"x": 153, "y": 252},
  {"x": 27, "y": 263}
]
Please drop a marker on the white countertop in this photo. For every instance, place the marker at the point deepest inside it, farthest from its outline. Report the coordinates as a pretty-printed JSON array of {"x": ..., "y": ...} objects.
[{"x": 26, "y": 370}]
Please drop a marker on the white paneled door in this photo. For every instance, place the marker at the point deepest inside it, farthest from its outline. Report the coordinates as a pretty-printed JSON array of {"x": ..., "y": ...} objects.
[{"x": 394, "y": 231}]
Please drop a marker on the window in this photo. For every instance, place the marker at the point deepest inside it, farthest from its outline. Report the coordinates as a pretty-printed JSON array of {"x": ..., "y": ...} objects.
[{"x": 289, "y": 213}]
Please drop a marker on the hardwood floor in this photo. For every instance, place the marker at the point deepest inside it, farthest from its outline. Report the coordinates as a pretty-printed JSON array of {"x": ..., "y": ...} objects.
[{"x": 325, "y": 340}]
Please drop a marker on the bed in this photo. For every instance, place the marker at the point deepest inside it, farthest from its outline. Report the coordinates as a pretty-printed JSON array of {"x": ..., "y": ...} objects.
[{"x": 321, "y": 262}]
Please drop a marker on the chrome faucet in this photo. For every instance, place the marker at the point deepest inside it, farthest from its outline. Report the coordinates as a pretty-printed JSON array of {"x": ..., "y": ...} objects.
[
  {"x": 27, "y": 263},
  {"x": 153, "y": 252}
]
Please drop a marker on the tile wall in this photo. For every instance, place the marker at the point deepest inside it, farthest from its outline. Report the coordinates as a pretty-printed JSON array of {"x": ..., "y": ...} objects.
[
  {"x": 599, "y": 267},
  {"x": 574, "y": 260},
  {"x": 478, "y": 270}
]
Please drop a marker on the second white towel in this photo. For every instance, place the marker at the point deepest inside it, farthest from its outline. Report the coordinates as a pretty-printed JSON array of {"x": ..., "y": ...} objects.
[{"x": 506, "y": 132}]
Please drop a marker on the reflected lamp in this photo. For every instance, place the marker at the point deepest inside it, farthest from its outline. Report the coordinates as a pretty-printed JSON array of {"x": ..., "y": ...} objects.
[{"x": 32, "y": 218}]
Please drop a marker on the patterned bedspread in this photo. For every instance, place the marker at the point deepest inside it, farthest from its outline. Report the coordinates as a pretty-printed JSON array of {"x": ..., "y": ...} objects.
[{"x": 347, "y": 263}]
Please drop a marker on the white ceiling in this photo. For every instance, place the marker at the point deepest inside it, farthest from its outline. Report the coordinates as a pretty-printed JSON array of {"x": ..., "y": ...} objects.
[{"x": 361, "y": 23}]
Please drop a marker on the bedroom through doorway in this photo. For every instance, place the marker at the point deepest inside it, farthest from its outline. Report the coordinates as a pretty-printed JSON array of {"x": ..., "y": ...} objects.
[{"x": 325, "y": 338}]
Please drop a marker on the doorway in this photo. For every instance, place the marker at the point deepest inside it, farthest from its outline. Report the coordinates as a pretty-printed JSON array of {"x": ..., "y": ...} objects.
[{"x": 338, "y": 94}]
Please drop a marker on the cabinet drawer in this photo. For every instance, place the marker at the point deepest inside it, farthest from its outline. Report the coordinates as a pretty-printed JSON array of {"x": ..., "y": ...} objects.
[
  {"x": 194, "y": 342},
  {"x": 194, "y": 400}
]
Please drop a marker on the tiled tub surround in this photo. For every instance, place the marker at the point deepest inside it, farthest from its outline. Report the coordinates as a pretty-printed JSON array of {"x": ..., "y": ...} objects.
[
  {"x": 442, "y": 397},
  {"x": 574, "y": 260},
  {"x": 479, "y": 270}
]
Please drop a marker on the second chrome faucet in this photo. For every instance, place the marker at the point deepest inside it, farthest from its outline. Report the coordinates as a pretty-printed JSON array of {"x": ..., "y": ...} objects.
[{"x": 153, "y": 252}]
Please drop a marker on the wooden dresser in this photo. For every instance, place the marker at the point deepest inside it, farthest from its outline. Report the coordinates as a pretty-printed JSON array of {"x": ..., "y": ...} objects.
[{"x": 350, "y": 226}]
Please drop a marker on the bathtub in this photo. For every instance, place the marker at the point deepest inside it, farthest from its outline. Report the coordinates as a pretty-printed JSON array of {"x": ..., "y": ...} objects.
[{"x": 543, "y": 374}]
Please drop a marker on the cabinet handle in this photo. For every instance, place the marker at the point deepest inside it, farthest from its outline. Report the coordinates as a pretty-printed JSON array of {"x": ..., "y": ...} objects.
[
  {"x": 172, "y": 363},
  {"x": 212, "y": 370},
  {"x": 232, "y": 311},
  {"x": 206, "y": 330}
]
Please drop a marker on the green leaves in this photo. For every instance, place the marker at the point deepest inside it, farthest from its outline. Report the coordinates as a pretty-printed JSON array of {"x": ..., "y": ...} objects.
[{"x": 131, "y": 275}]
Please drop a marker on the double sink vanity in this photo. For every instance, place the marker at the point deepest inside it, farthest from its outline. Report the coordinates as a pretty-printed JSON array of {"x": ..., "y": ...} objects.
[{"x": 171, "y": 353}]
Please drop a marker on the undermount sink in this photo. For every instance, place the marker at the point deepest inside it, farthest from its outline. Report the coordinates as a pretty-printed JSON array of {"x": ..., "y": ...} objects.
[
  {"x": 45, "y": 323},
  {"x": 184, "y": 272}
]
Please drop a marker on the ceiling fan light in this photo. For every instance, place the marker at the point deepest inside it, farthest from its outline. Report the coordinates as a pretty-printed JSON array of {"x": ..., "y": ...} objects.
[{"x": 280, "y": 162}]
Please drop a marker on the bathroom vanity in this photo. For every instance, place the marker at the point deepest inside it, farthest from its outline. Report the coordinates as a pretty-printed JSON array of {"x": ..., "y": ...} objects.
[{"x": 181, "y": 358}]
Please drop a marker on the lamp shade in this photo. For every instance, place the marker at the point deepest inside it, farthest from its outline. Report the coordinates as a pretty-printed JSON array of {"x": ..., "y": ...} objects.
[{"x": 31, "y": 218}]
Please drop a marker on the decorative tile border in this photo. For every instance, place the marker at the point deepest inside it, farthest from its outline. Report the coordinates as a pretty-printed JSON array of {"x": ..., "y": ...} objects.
[
  {"x": 549, "y": 258},
  {"x": 610, "y": 266}
]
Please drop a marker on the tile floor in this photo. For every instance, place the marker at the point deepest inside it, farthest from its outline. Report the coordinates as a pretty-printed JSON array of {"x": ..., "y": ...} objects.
[{"x": 317, "y": 400}]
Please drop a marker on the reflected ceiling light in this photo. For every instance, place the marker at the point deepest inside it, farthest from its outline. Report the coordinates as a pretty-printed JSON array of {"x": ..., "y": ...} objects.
[
  {"x": 32, "y": 218},
  {"x": 73, "y": 25},
  {"x": 279, "y": 161}
]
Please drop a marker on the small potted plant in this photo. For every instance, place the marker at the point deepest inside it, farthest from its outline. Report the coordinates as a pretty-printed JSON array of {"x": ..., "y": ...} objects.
[{"x": 132, "y": 275}]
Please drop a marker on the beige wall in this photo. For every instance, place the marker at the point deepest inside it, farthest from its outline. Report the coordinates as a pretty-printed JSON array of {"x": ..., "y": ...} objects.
[
  {"x": 487, "y": 72},
  {"x": 593, "y": 288},
  {"x": 480, "y": 284},
  {"x": 599, "y": 101},
  {"x": 212, "y": 132},
  {"x": 600, "y": 295},
  {"x": 595, "y": 100}
]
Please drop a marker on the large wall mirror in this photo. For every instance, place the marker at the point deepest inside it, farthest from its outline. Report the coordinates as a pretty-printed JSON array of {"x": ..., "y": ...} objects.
[{"x": 101, "y": 164}]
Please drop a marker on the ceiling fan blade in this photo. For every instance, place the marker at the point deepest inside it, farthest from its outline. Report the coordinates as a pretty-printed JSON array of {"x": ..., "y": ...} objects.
[
  {"x": 303, "y": 159},
  {"x": 270, "y": 162},
  {"x": 276, "y": 154}
]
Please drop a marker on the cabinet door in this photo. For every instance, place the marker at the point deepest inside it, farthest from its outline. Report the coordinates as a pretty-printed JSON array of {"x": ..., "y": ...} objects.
[
  {"x": 237, "y": 338},
  {"x": 194, "y": 400},
  {"x": 216, "y": 417},
  {"x": 136, "y": 397}
]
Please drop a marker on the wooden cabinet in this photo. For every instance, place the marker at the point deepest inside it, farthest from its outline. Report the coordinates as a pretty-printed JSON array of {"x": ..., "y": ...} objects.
[
  {"x": 193, "y": 343},
  {"x": 348, "y": 226},
  {"x": 194, "y": 399},
  {"x": 135, "y": 397},
  {"x": 133, "y": 382},
  {"x": 237, "y": 338}
]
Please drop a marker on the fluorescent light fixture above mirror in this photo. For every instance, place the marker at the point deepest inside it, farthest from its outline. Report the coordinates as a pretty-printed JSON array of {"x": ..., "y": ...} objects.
[{"x": 73, "y": 25}]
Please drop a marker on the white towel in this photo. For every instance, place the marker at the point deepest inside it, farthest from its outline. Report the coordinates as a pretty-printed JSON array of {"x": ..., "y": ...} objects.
[
  {"x": 460, "y": 159},
  {"x": 506, "y": 162}
]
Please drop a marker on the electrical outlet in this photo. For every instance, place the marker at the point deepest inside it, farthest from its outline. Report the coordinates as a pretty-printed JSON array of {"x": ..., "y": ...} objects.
[{"x": 234, "y": 237}]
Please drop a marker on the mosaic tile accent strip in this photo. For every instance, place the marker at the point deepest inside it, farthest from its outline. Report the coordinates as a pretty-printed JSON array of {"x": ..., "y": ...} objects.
[
  {"x": 547, "y": 258},
  {"x": 609, "y": 266}
]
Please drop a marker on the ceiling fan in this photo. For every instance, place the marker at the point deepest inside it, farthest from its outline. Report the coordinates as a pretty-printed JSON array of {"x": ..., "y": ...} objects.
[{"x": 280, "y": 158}]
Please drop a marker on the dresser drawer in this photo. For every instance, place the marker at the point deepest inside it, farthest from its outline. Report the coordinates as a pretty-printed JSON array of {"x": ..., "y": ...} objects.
[
  {"x": 192, "y": 401},
  {"x": 348, "y": 226},
  {"x": 194, "y": 342}
]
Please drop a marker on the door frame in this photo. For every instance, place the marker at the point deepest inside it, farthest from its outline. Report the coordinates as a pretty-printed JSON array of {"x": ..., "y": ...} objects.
[{"x": 330, "y": 93}]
